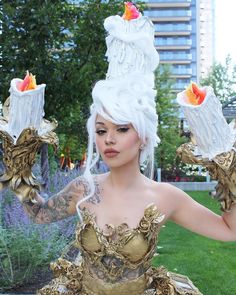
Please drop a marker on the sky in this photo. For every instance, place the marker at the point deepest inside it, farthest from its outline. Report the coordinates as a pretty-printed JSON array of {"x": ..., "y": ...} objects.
[{"x": 225, "y": 29}]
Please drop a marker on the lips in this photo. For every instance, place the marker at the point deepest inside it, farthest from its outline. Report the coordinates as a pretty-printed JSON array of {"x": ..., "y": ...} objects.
[{"x": 111, "y": 153}]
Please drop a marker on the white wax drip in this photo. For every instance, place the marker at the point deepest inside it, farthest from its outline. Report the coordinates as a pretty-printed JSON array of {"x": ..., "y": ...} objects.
[
  {"x": 26, "y": 108},
  {"x": 130, "y": 46},
  {"x": 206, "y": 121}
]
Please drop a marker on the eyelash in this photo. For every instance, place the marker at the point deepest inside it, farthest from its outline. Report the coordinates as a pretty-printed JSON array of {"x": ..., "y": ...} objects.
[{"x": 121, "y": 130}]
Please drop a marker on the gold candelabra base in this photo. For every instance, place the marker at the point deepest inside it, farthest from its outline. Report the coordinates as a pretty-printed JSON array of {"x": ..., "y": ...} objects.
[
  {"x": 19, "y": 156},
  {"x": 221, "y": 168}
]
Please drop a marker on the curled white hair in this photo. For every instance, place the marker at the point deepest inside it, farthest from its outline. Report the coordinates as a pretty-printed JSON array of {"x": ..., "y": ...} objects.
[{"x": 122, "y": 101}]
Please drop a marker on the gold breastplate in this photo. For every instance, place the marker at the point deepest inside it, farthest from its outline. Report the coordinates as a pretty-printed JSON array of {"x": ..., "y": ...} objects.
[
  {"x": 118, "y": 262},
  {"x": 122, "y": 253}
]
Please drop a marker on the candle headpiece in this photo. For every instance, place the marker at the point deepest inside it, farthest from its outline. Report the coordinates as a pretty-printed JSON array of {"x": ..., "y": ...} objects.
[
  {"x": 28, "y": 83},
  {"x": 131, "y": 11},
  {"x": 127, "y": 94}
]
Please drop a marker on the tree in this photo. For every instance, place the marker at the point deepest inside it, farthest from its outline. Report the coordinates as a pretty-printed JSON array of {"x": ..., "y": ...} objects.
[
  {"x": 168, "y": 112},
  {"x": 222, "y": 77},
  {"x": 64, "y": 45}
]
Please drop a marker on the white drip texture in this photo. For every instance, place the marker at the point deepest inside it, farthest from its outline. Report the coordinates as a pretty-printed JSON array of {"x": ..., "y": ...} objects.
[
  {"x": 206, "y": 121},
  {"x": 127, "y": 95},
  {"x": 26, "y": 108},
  {"x": 130, "y": 46}
]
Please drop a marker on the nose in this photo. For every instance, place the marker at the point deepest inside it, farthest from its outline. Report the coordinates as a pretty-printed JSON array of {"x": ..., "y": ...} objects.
[{"x": 110, "y": 138}]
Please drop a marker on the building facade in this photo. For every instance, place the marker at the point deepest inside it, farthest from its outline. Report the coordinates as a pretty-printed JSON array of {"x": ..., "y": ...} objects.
[
  {"x": 184, "y": 37},
  {"x": 206, "y": 36}
]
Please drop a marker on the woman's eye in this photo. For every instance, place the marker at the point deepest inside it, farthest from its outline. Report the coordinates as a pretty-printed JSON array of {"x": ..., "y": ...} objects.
[
  {"x": 100, "y": 132},
  {"x": 123, "y": 129}
]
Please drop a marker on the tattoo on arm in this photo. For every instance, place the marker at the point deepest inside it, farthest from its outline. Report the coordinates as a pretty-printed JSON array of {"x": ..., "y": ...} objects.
[
  {"x": 59, "y": 206},
  {"x": 96, "y": 198}
]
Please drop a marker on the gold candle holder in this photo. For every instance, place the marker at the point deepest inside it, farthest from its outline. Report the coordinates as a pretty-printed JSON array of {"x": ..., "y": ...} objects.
[
  {"x": 19, "y": 155},
  {"x": 221, "y": 168}
]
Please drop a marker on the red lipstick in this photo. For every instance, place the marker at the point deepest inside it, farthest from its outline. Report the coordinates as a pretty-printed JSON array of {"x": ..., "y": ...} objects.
[{"x": 111, "y": 153}]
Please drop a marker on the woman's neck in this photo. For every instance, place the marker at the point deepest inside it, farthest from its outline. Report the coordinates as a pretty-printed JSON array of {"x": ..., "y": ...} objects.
[{"x": 122, "y": 178}]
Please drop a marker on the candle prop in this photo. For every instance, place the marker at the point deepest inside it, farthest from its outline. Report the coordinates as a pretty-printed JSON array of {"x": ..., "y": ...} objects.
[
  {"x": 131, "y": 11},
  {"x": 203, "y": 112},
  {"x": 214, "y": 141},
  {"x": 23, "y": 130},
  {"x": 26, "y": 105}
]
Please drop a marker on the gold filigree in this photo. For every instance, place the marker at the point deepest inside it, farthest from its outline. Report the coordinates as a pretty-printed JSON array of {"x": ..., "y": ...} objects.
[
  {"x": 169, "y": 283},
  {"x": 221, "y": 168},
  {"x": 19, "y": 156},
  {"x": 68, "y": 278},
  {"x": 151, "y": 218},
  {"x": 108, "y": 270}
]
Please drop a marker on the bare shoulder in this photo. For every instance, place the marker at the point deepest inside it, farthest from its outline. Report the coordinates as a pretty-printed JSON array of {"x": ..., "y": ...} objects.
[
  {"x": 163, "y": 188},
  {"x": 167, "y": 188},
  {"x": 167, "y": 197}
]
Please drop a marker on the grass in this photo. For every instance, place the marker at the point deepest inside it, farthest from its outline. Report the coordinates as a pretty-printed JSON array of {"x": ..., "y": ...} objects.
[{"x": 211, "y": 265}]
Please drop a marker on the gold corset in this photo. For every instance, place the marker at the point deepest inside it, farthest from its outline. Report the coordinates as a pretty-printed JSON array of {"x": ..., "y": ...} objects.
[
  {"x": 122, "y": 254},
  {"x": 117, "y": 262}
]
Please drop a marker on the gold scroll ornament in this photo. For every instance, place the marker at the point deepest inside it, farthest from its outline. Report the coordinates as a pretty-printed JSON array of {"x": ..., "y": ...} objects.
[
  {"x": 221, "y": 168},
  {"x": 19, "y": 157}
]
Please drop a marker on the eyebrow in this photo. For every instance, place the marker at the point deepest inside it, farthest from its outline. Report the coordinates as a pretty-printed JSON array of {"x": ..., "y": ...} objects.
[{"x": 100, "y": 123}]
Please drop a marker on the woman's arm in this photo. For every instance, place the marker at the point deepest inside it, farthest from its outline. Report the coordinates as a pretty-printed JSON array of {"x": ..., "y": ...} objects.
[
  {"x": 59, "y": 206},
  {"x": 197, "y": 218}
]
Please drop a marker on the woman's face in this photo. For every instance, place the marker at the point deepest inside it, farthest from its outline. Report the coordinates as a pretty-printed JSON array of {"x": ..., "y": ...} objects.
[{"x": 118, "y": 144}]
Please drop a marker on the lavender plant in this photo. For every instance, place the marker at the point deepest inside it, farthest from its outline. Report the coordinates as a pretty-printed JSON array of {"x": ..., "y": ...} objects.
[{"x": 25, "y": 247}]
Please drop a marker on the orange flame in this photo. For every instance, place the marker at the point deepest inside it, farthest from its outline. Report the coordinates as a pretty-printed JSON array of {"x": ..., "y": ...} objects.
[
  {"x": 194, "y": 94},
  {"x": 131, "y": 11},
  {"x": 28, "y": 83}
]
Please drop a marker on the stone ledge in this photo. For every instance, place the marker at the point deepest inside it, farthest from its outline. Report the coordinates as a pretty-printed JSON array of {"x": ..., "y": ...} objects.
[{"x": 195, "y": 186}]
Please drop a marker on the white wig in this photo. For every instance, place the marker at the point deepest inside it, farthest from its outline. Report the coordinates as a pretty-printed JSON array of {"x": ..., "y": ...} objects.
[
  {"x": 127, "y": 95},
  {"x": 123, "y": 101}
]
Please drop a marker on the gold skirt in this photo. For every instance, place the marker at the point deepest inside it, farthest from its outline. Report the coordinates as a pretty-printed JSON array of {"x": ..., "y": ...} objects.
[{"x": 72, "y": 279}]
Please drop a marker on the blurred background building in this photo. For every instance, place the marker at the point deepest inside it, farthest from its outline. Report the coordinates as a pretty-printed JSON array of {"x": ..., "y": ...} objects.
[{"x": 184, "y": 37}]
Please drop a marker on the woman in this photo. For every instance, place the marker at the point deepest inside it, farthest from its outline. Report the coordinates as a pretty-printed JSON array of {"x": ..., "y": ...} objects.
[{"x": 123, "y": 210}]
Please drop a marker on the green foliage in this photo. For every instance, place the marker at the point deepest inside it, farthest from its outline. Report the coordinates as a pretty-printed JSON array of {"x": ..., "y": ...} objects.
[
  {"x": 205, "y": 261},
  {"x": 64, "y": 45},
  {"x": 168, "y": 111},
  {"x": 23, "y": 251},
  {"x": 222, "y": 77}
]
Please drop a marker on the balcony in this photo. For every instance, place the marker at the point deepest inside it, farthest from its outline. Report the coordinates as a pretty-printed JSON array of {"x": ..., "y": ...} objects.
[
  {"x": 171, "y": 4},
  {"x": 168, "y": 13},
  {"x": 175, "y": 56},
  {"x": 175, "y": 62},
  {"x": 173, "y": 27},
  {"x": 181, "y": 76},
  {"x": 168, "y": 1},
  {"x": 182, "y": 43},
  {"x": 174, "y": 2},
  {"x": 171, "y": 19},
  {"x": 173, "y": 47},
  {"x": 173, "y": 33},
  {"x": 181, "y": 71}
]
